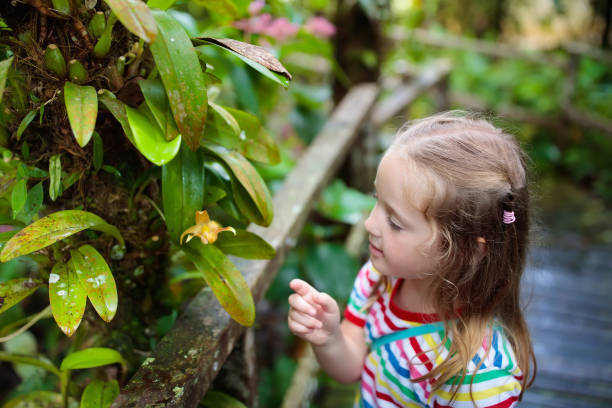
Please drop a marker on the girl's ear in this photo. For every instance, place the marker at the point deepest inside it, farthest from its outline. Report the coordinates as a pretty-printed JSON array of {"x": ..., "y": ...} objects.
[{"x": 482, "y": 245}]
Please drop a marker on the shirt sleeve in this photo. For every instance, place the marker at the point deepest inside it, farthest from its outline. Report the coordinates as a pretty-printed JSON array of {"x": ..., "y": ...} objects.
[{"x": 362, "y": 288}]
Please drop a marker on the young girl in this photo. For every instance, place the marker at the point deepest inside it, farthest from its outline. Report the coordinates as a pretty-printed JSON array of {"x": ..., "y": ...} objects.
[{"x": 434, "y": 318}]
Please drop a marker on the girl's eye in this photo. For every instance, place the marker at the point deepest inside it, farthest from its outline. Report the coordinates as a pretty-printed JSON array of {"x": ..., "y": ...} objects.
[{"x": 393, "y": 224}]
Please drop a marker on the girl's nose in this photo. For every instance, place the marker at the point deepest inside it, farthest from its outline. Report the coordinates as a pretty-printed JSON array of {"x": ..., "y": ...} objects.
[{"x": 370, "y": 223}]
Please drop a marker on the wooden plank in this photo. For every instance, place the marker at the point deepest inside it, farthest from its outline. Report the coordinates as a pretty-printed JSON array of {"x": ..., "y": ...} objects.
[
  {"x": 407, "y": 93},
  {"x": 187, "y": 359},
  {"x": 544, "y": 398}
]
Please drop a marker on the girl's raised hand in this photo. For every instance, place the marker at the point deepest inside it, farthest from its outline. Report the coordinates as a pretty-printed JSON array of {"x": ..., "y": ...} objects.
[{"x": 314, "y": 316}]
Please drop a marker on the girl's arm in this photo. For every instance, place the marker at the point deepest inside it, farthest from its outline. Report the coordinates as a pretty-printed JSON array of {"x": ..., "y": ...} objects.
[{"x": 315, "y": 317}]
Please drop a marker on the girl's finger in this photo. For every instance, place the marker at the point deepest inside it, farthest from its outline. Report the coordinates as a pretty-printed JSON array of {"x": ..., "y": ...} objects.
[
  {"x": 302, "y": 288},
  {"x": 301, "y": 305},
  {"x": 304, "y": 320},
  {"x": 327, "y": 303},
  {"x": 297, "y": 328}
]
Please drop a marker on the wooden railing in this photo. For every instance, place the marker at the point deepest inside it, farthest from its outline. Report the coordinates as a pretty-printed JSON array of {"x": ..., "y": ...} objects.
[{"x": 186, "y": 361}]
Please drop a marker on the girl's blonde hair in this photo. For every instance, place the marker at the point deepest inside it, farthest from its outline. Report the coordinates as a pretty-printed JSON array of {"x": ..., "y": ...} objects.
[{"x": 475, "y": 172}]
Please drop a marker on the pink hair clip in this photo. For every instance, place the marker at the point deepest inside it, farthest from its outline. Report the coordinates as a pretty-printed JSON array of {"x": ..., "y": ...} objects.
[{"x": 509, "y": 217}]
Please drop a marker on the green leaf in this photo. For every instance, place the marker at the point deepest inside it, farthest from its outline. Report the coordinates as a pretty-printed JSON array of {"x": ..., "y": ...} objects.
[
  {"x": 160, "y": 4},
  {"x": 37, "y": 399},
  {"x": 226, "y": 8},
  {"x": 52, "y": 228},
  {"x": 148, "y": 137},
  {"x": 249, "y": 181},
  {"x": 345, "y": 204},
  {"x": 4, "y": 67},
  {"x": 97, "y": 280},
  {"x": 33, "y": 204},
  {"x": 155, "y": 97},
  {"x": 180, "y": 71},
  {"x": 245, "y": 245},
  {"x": 255, "y": 56},
  {"x": 24, "y": 123},
  {"x": 136, "y": 17},
  {"x": 251, "y": 140},
  {"x": 98, "y": 151},
  {"x": 182, "y": 190},
  {"x": 213, "y": 194},
  {"x": 18, "y": 196},
  {"x": 67, "y": 298},
  {"x": 15, "y": 290},
  {"x": 218, "y": 399},
  {"x": 225, "y": 280},
  {"x": 100, "y": 394},
  {"x": 117, "y": 109},
  {"x": 91, "y": 357},
  {"x": 55, "y": 177},
  {"x": 82, "y": 107},
  {"x": 111, "y": 170}
]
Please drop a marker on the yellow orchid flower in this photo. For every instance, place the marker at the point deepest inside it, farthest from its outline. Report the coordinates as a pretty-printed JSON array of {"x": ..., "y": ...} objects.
[{"x": 205, "y": 229}]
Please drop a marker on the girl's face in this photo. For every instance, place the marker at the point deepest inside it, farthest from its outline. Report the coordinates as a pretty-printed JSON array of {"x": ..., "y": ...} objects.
[{"x": 400, "y": 235}]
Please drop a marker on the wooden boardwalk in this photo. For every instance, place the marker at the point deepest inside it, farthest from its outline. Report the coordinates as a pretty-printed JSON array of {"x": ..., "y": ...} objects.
[{"x": 567, "y": 294}]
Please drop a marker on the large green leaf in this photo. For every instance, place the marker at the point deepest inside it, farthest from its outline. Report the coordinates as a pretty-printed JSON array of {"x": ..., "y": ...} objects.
[
  {"x": 182, "y": 190},
  {"x": 225, "y": 280},
  {"x": 67, "y": 297},
  {"x": 117, "y": 109},
  {"x": 149, "y": 138},
  {"x": 181, "y": 73},
  {"x": 82, "y": 107},
  {"x": 4, "y": 68},
  {"x": 97, "y": 280},
  {"x": 99, "y": 394},
  {"x": 246, "y": 180},
  {"x": 91, "y": 357},
  {"x": 33, "y": 204},
  {"x": 15, "y": 290},
  {"x": 245, "y": 244},
  {"x": 136, "y": 17},
  {"x": 52, "y": 228},
  {"x": 155, "y": 97}
]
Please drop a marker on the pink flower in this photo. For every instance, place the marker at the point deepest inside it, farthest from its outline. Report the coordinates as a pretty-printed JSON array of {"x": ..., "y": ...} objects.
[
  {"x": 256, "y": 6},
  {"x": 281, "y": 29},
  {"x": 5, "y": 228},
  {"x": 320, "y": 27}
]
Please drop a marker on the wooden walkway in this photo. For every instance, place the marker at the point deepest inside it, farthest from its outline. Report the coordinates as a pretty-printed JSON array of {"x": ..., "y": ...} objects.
[{"x": 569, "y": 313}]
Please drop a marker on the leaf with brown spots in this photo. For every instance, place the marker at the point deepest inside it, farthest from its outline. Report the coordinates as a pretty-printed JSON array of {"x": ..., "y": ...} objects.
[
  {"x": 67, "y": 297},
  {"x": 225, "y": 280},
  {"x": 82, "y": 108},
  {"x": 181, "y": 73},
  {"x": 97, "y": 280},
  {"x": 15, "y": 290},
  {"x": 52, "y": 228}
]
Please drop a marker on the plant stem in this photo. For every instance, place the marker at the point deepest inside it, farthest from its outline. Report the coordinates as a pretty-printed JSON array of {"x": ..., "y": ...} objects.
[{"x": 46, "y": 312}]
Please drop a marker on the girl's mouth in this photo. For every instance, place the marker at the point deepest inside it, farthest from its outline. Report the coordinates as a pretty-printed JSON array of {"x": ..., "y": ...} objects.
[{"x": 374, "y": 251}]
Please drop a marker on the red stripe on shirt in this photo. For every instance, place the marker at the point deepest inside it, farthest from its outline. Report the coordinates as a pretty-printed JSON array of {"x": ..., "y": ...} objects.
[
  {"x": 354, "y": 319},
  {"x": 386, "y": 397}
]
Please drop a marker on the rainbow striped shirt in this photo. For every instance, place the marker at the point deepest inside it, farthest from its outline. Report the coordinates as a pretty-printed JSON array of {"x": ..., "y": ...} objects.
[{"x": 385, "y": 380}]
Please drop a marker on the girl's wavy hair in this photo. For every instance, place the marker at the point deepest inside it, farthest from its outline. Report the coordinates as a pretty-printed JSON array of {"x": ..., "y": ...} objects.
[{"x": 475, "y": 172}]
